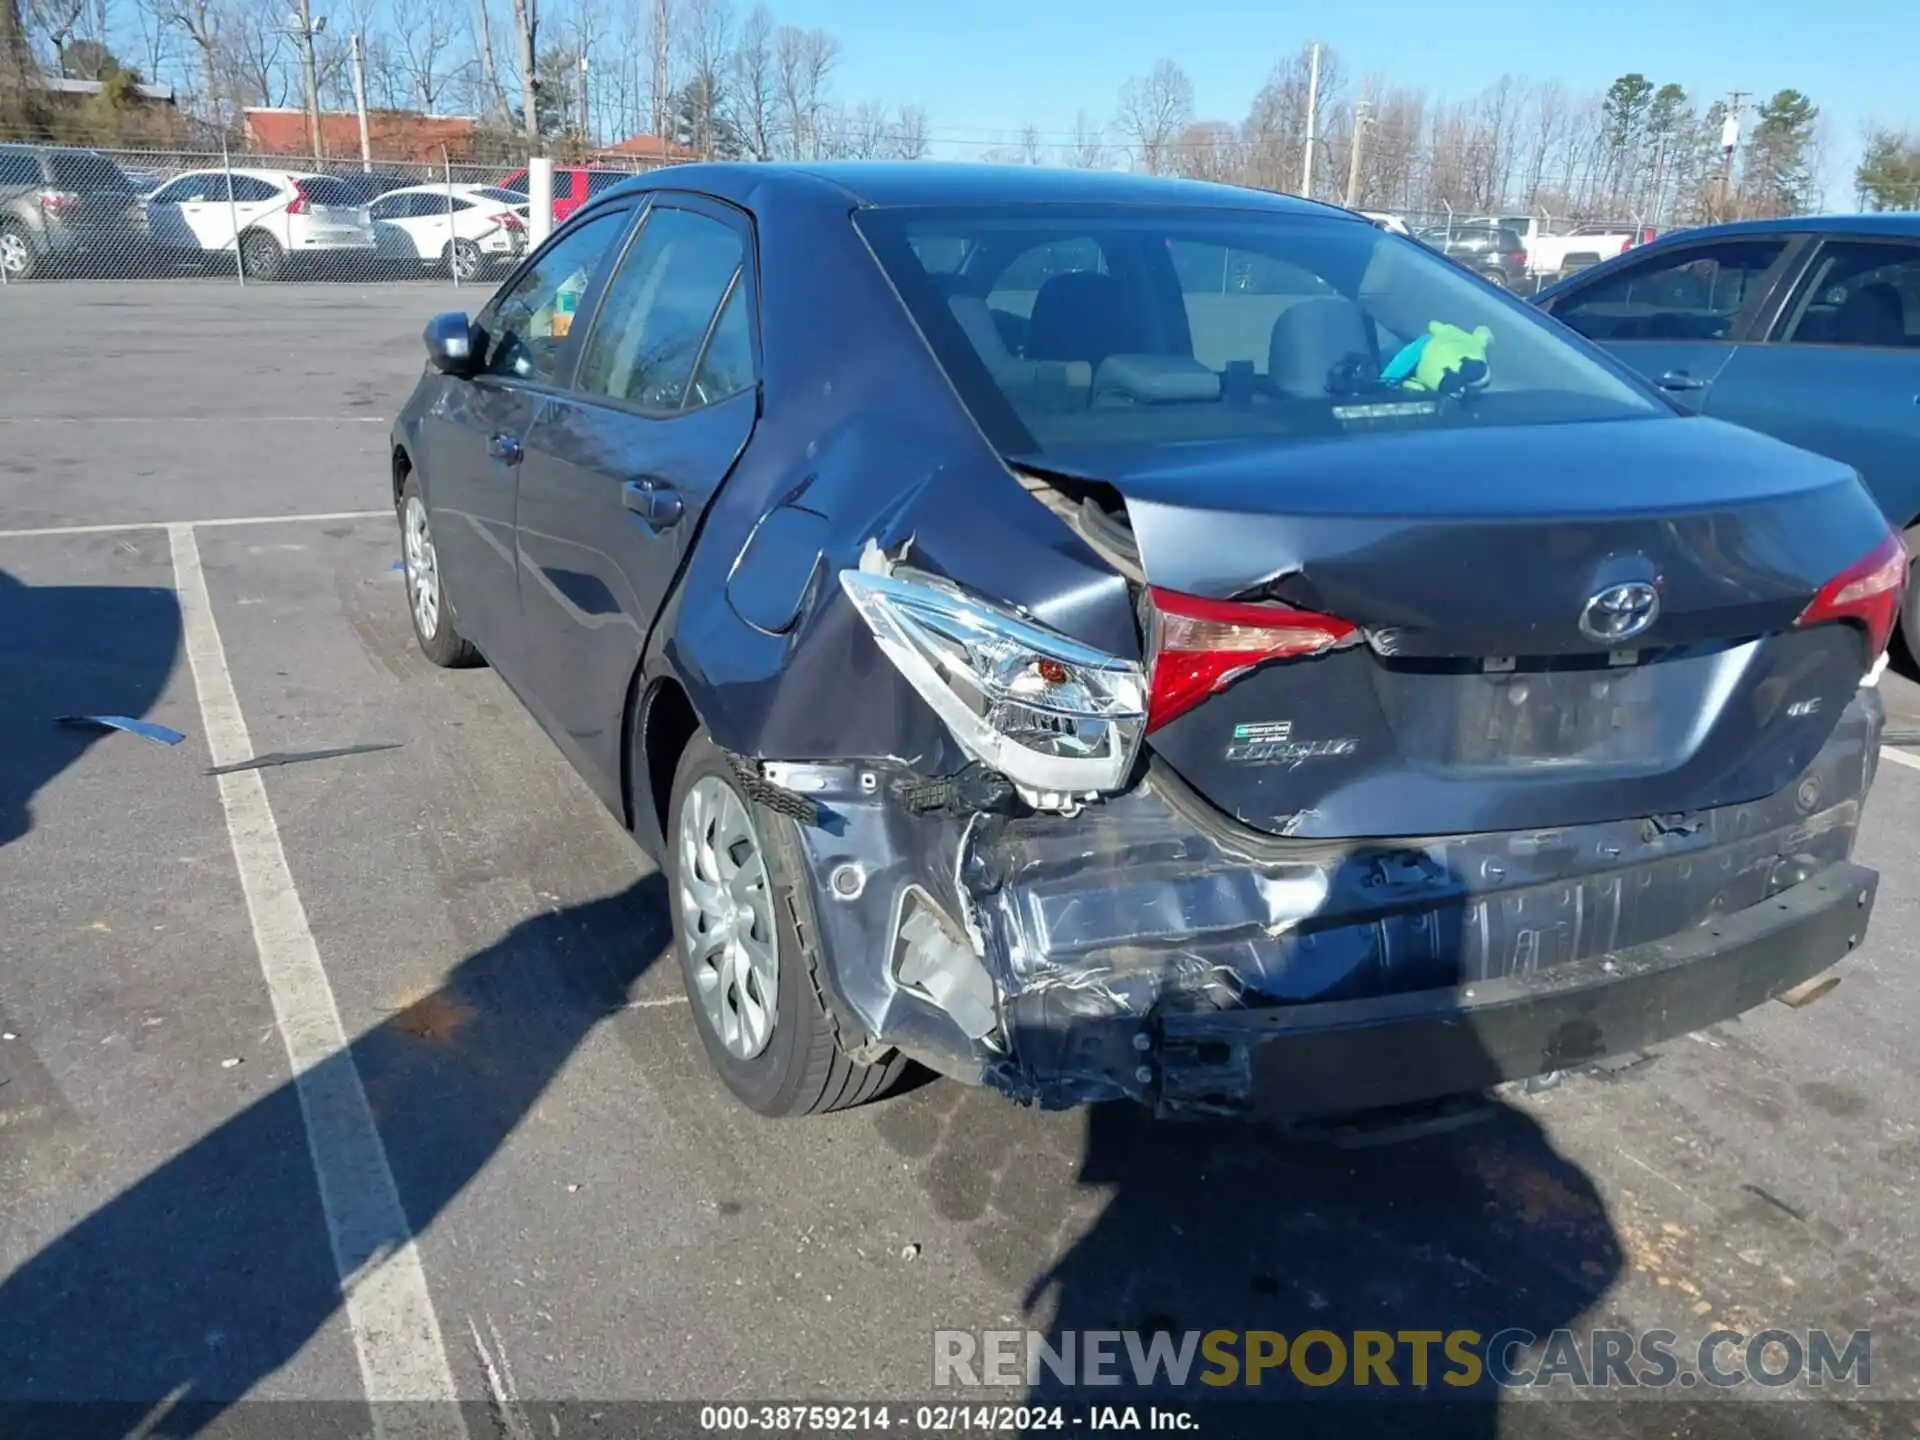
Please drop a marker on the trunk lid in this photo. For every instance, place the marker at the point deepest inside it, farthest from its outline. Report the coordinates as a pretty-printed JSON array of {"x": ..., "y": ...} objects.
[{"x": 1472, "y": 697}]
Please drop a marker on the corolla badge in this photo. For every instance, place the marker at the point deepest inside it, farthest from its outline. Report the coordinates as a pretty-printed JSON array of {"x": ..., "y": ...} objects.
[{"x": 1620, "y": 612}]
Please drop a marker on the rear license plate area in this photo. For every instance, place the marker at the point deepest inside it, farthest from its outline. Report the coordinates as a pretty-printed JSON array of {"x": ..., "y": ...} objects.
[{"x": 1515, "y": 715}]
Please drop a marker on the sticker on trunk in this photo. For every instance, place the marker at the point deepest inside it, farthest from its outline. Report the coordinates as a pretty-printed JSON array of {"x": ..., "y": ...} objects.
[{"x": 1272, "y": 742}]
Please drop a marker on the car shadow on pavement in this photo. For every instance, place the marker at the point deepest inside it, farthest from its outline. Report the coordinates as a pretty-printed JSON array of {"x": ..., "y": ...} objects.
[
  {"x": 72, "y": 650},
  {"x": 202, "y": 1279},
  {"x": 1444, "y": 1218}
]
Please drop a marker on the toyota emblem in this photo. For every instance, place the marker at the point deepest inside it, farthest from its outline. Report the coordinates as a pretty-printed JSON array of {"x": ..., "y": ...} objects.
[{"x": 1620, "y": 612}]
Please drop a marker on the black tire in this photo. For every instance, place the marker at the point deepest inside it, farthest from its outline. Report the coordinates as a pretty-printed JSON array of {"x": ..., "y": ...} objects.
[
  {"x": 440, "y": 642},
  {"x": 261, "y": 257},
  {"x": 462, "y": 260},
  {"x": 17, "y": 253},
  {"x": 1496, "y": 278},
  {"x": 803, "y": 1070}
]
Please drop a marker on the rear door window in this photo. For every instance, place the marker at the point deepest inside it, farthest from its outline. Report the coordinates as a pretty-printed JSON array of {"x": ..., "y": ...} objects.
[
  {"x": 658, "y": 309},
  {"x": 324, "y": 190},
  {"x": 19, "y": 167},
  {"x": 1858, "y": 293},
  {"x": 252, "y": 190},
  {"x": 86, "y": 172},
  {"x": 1695, "y": 292}
]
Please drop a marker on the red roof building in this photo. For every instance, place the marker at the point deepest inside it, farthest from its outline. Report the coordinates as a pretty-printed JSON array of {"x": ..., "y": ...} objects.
[
  {"x": 392, "y": 134},
  {"x": 649, "y": 148}
]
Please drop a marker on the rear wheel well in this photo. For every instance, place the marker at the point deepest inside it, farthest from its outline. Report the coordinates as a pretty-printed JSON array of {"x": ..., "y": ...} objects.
[
  {"x": 667, "y": 723},
  {"x": 402, "y": 468}
]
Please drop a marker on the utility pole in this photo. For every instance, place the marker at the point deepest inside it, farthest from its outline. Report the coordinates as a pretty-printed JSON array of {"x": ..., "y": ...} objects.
[
  {"x": 1359, "y": 144},
  {"x": 586, "y": 115},
  {"x": 305, "y": 27},
  {"x": 360, "y": 104},
  {"x": 1313, "y": 108},
  {"x": 1729, "y": 141}
]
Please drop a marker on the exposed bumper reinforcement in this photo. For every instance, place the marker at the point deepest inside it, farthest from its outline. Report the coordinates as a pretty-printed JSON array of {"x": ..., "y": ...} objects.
[{"x": 1300, "y": 1061}]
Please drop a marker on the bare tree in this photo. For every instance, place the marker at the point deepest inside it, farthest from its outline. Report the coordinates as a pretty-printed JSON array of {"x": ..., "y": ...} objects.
[
  {"x": 910, "y": 133},
  {"x": 869, "y": 131},
  {"x": 425, "y": 32},
  {"x": 708, "y": 27},
  {"x": 661, "y": 24},
  {"x": 526, "y": 31},
  {"x": 494, "y": 94},
  {"x": 1087, "y": 150},
  {"x": 1275, "y": 131},
  {"x": 16, "y": 63},
  {"x": 1153, "y": 110},
  {"x": 1208, "y": 150},
  {"x": 255, "y": 53},
  {"x": 754, "y": 93},
  {"x": 1029, "y": 144},
  {"x": 200, "y": 19},
  {"x": 153, "y": 23},
  {"x": 803, "y": 62}
]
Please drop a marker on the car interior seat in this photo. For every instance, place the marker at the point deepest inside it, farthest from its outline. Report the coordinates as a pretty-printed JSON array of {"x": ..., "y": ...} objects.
[
  {"x": 1084, "y": 316},
  {"x": 1872, "y": 315},
  {"x": 1310, "y": 339},
  {"x": 1068, "y": 379}
]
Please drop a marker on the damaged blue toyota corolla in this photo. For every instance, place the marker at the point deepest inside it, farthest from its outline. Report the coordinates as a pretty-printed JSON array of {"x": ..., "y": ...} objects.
[{"x": 1107, "y": 637}]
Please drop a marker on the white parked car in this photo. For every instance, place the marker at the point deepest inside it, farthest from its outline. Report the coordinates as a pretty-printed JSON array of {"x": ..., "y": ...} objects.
[
  {"x": 274, "y": 216},
  {"x": 1389, "y": 222},
  {"x": 461, "y": 229}
]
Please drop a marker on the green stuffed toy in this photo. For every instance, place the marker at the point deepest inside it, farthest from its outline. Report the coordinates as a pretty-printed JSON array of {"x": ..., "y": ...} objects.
[{"x": 1445, "y": 361}]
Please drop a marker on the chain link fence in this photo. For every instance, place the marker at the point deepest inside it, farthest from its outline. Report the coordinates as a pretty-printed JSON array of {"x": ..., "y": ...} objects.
[{"x": 150, "y": 214}]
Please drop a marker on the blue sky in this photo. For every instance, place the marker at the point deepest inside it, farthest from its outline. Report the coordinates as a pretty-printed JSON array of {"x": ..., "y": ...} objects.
[{"x": 987, "y": 66}]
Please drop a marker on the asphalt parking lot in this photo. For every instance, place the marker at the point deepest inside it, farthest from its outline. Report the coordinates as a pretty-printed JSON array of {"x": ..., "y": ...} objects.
[{"x": 503, "y": 1130}]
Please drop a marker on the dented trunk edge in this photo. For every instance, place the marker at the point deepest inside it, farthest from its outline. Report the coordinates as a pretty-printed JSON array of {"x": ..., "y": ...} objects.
[{"x": 1147, "y": 947}]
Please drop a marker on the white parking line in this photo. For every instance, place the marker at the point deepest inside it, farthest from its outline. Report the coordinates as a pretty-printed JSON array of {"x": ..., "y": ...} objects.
[
  {"x": 395, "y": 1330},
  {"x": 1900, "y": 757},
  {"x": 49, "y": 531}
]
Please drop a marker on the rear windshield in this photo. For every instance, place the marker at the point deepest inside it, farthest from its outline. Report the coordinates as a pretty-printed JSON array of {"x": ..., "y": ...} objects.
[
  {"x": 516, "y": 185},
  {"x": 1064, "y": 326},
  {"x": 79, "y": 170},
  {"x": 502, "y": 194},
  {"x": 325, "y": 190}
]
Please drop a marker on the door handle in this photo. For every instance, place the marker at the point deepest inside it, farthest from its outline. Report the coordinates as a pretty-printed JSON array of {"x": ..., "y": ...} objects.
[
  {"x": 504, "y": 447},
  {"x": 1681, "y": 380},
  {"x": 656, "y": 503}
]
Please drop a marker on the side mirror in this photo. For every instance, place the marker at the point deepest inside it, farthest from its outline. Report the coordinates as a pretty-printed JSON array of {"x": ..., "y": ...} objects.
[{"x": 450, "y": 343}]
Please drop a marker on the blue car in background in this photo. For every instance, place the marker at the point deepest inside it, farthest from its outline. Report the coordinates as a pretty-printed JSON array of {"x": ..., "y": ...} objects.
[{"x": 1807, "y": 329}]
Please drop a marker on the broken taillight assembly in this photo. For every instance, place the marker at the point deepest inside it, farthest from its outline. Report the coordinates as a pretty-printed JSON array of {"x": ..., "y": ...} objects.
[
  {"x": 1061, "y": 720},
  {"x": 1198, "y": 647},
  {"x": 302, "y": 203},
  {"x": 1867, "y": 593}
]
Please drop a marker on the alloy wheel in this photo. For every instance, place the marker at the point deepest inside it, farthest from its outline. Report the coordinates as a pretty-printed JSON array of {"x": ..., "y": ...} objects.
[
  {"x": 726, "y": 912},
  {"x": 14, "y": 256},
  {"x": 423, "y": 569}
]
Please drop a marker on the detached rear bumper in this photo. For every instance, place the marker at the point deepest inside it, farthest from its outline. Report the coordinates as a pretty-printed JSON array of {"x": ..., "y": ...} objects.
[
  {"x": 1148, "y": 948},
  {"x": 1298, "y": 1061}
]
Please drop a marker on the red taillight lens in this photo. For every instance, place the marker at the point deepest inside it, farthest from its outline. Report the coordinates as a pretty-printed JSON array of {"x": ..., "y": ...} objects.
[
  {"x": 300, "y": 204},
  {"x": 1199, "y": 647},
  {"x": 1867, "y": 593},
  {"x": 507, "y": 220},
  {"x": 56, "y": 201}
]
